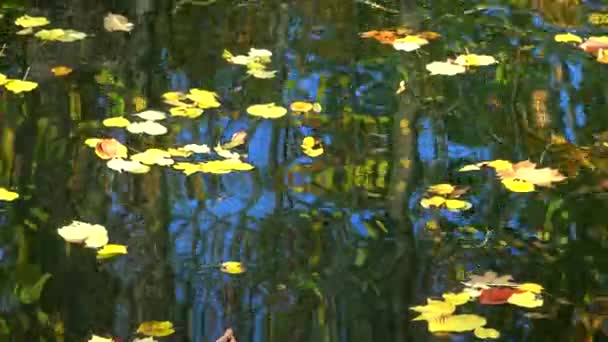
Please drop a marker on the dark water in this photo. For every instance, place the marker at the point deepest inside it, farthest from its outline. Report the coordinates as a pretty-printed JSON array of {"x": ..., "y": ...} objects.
[{"x": 337, "y": 247}]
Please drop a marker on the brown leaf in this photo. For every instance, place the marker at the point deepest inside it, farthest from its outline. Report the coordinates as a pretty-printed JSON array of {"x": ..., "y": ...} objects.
[
  {"x": 228, "y": 336},
  {"x": 116, "y": 22},
  {"x": 490, "y": 278},
  {"x": 527, "y": 171}
]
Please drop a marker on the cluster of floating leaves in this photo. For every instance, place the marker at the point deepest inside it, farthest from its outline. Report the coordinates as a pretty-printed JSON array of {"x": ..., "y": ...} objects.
[
  {"x": 402, "y": 39},
  {"x": 28, "y": 23},
  {"x": 460, "y": 65},
  {"x": 486, "y": 289},
  {"x": 445, "y": 196},
  {"x": 596, "y": 46},
  {"x": 192, "y": 104},
  {"x": 256, "y": 62},
  {"x": 523, "y": 176}
]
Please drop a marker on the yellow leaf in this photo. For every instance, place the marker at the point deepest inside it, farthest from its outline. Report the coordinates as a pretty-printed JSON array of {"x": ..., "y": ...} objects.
[
  {"x": 516, "y": 185},
  {"x": 156, "y": 328},
  {"x": 96, "y": 338},
  {"x": 475, "y": 60},
  {"x": 262, "y": 73},
  {"x": 567, "y": 38},
  {"x": 433, "y": 309},
  {"x": 27, "y": 21},
  {"x": 531, "y": 287},
  {"x": 445, "y": 68},
  {"x": 60, "y": 35},
  {"x": 313, "y": 152},
  {"x": 434, "y": 201},
  {"x": 19, "y": 86},
  {"x": 173, "y": 96},
  {"x": 111, "y": 250},
  {"x": 267, "y": 111},
  {"x": 187, "y": 168},
  {"x": 308, "y": 142},
  {"x": 197, "y": 148},
  {"x": 232, "y": 267},
  {"x": 61, "y": 70},
  {"x": 93, "y": 235},
  {"x": 97, "y": 236},
  {"x": 92, "y": 142},
  {"x": 525, "y": 299},
  {"x": 203, "y": 98},
  {"x": 470, "y": 167},
  {"x": 457, "y": 205},
  {"x": 441, "y": 189},
  {"x": 486, "y": 333},
  {"x": 456, "y": 298},
  {"x": 300, "y": 106},
  {"x": 190, "y": 112},
  {"x": 6, "y": 195},
  {"x": 110, "y": 148},
  {"x": 116, "y": 22},
  {"x": 3, "y": 79},
  {"x": 151, "y": 115},
  {"x": 499, "y": 164},
  {"x": 147, "y": 127},
  {"x": 409, "y": 43},
  {"x": 456, "y": 323},
  {"x": 317, "y": 107},
  {"x": 153, "y": 156},
  {"x": 117, "y": 121},
  {"x": 179, "y": 152}
]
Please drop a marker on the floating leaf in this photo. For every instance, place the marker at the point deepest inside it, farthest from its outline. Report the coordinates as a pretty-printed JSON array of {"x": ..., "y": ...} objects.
[
  {"x": 97, "y": 236},
  {"x": 441, "y": 189},
  {"x": 27, "y": 21},
  {"x": 261, "y": 73},
  {"x": 116, "y": 22},
  {"x": 267, "y": 111},
  {"x": 526, "y": 300},
  {"x": 498, "y": 165},
  {"x": 190, "y": 112},
  {"x": 531, "y": 287},
  {"x": 110, "y": 148},
  {"x": 203, "y": 98},
  {"x": 232, "y": 267},
  {"x": 475, "y": 60},
  {"x": 496, "y": 295},
  {"x": 179, "y": 152},
  {"x": 526, "y": 171},
  {"x": 300, "y": 106},
  {"x": 19, "y": 86},
  {"x": 197, "y": 148},
  {"x": 61, "y": 70},
  {"x": 445, "y": 68},
  {"x": 227, "y": 337},
  {"x": 435, "y": 201},
  {"x": 409, "y": 43},
  {"x": 7, "y": 195},
  {"x": 518, "y": 185},
  {"x": 151, "y": 115},
  {"x": 486, "y": 333},
  {"x": 3, "y": 79},
  {"x": 156, "y": 328},
  {"x": 120, "y": 165},
  {"x": 111, "y": 250},
  {"x": 224, "y": 153},
  {"x": 433, "y": 309},
  {"x": 147, "y": 127},
  {"x": 215, "y": 166},
  {"x": 96, "y": 338},
  {"x": 117, "y": 121},
  {"x": 60, "y": 35},
  {"x": 153, "y": 156},
  {"x": 93, "y": 235},
  {"x": 312, "y": 147},
  {"x": 456, "y": 323},
  {"x": 145, "y": 339},
  {"x": 567, "y": 38},
  {"x": 456, "y": 298},
  {"x": 488, "y": 279}
]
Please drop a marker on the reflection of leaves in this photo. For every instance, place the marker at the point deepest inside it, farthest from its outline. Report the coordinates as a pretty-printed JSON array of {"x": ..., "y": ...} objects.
[{"x": 30, "y": 294}]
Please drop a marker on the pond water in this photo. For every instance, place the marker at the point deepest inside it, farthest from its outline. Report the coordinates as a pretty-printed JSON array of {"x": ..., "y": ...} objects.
[{"x": 337, "y": 247}]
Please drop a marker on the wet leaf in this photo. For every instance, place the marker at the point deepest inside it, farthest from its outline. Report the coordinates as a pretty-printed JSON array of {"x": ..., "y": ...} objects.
[
  {"x": 153, "y": 156},
  {"x": 531, "y": 287},
  {"x": 456, "y": 323},
  {"x": 486, "y": 333},
  {"x": 116, "y": 22},
  {"x": 111, "y": 250},
  {"x": 117, "y": 121},
  {"x": 433, "y": 309},
  {"x": 27, "y": 21},
  {"x": 122, "y": 165},
  {"x": 526, "y": 300},
  {"x": 445, "y": 68},
  {"x": 61, "y": 70},
  {"x": 96, "y": 338},
  {"x": 151, "y": 115},
  {"x": 488, "y": 279},
  {"x": 475, "y": 60},
  {"x": 300, "y": 106},
  {"x": 110, "y": 148},
  {"x": 19, "y": 86},
  {"x": 567, "y": 38},
  {"x": 267, "y": 111},
  {"x": 7, "y": 195},
  {"x": 456, "y": 298},
  {"x": 496, "y": 295},
  {"x": 147, "y": 127},
  {"x": 156, "y": 328},
  {"x": 232, "y": 267}
]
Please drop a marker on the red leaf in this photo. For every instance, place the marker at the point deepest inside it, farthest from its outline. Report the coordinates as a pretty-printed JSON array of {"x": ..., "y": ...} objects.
[{"x": 496, "y": 295}]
